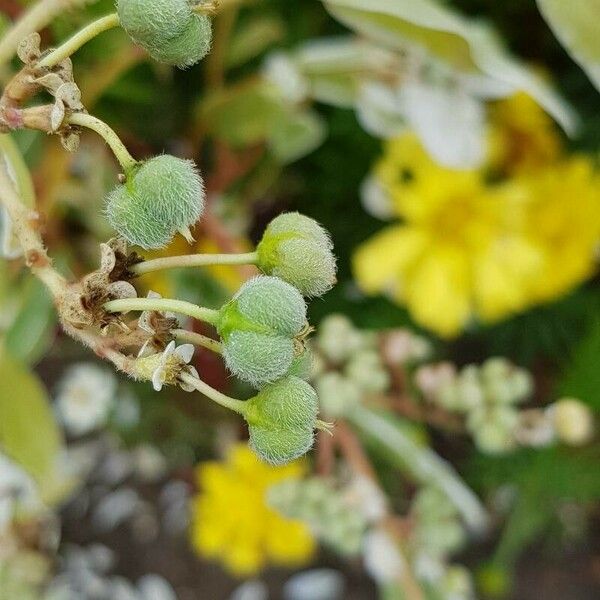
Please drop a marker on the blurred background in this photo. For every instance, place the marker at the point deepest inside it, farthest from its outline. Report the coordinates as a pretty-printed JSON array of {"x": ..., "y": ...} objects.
[{"x": 451, "y": 150}]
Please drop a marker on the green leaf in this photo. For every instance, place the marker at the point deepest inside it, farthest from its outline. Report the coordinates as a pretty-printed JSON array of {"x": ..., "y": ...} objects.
[
  {"x": 31, "y": 332},
  {"x": 466, "y": 45},
  {"x": 242, "y": 115},
  {"x": 422, "y": 463},
  {"x": 253, "y": 39},
  {"x": 575, "y": 23},
  {"x": 581, "y": 378},
  {"x": 296, "y": 134},
  {"x": 28, "y": 431}
]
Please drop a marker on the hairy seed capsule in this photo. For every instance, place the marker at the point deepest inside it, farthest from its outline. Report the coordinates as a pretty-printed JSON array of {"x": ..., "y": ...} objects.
[
  {"x": 168, "y": 29},
  {"x": 297, "y": 249},
  {"x": 282, "y": 419},
  {"x": 160, "y": 197},
  {"x": 259, "y": 329}
]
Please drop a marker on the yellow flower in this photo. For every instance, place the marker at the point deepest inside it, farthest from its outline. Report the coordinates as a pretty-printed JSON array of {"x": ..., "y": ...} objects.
[
  {"x": 564, "y": 220},
  {"x": 232, "y": 523},
  {"x": 523, "y": 137},
  {"x": 465, "y": 248}
]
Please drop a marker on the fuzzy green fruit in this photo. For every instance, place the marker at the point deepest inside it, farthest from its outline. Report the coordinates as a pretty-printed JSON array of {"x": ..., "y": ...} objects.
[
  {"x": 257, "y": 358},
  {"x": 160, "y": 197},
  {"x": 298, "y": 250},
  {"x": 188, "y": 48},
  {"x": 168, "y": 29},
  {"x": 282, "y": 419},
  {"x": 155, "y": 22},
  {"x": 259, "y": 329}
]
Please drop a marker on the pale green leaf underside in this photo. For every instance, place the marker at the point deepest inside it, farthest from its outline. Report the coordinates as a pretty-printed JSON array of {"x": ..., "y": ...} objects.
[
  {"x": 28, "y": 432},
  {"x": 576, "y": 23},
  {"x": 464, "y": 44}
]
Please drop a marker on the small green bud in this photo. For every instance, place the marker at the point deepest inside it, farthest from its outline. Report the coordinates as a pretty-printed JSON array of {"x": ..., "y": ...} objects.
[
  {"x": 298, "y": 250},
  {"x": 282, "y": 418},
  {"x": 261, "y": 329},
  {"x": 168, "y": 29},
  {"x": 338, "y": 395},
  {"x": 161, "y": 196}
]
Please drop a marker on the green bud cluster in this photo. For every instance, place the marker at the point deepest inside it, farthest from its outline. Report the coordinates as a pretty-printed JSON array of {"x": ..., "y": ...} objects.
[
  {"x": 261, "y": 329},
  {"x": 487, "y": 395},
  {"x": 356, "y": 367},
  {"x": 160, "y": 197},
  {"x": 438, "y": 530},
  {"x": 281, "y": 420},
  {"x": 325, "y": 509},
  {"x": 298, "y": 250},
  {"x": 168, "y": 30}
]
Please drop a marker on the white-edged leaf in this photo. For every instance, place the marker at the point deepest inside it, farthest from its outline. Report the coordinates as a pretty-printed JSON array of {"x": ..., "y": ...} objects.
[
  {"x": 466, "y": 45},
  {"x": 576, "y": 23}
]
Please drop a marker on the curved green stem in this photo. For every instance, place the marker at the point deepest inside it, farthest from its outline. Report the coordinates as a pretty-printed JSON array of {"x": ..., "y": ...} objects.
[
  {"x": 198, "y": 339},
  {"x": 79, "y": 39},
  {"x": 110, "y": 137},
  {"x": 36, "y": 18},
  {"x": 237, "y": 406},
  {"x": 164, "y": 304},
  {"x": 194, "y": 260}
]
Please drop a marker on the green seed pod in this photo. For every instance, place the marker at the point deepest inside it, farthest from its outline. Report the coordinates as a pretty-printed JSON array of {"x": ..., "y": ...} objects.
[
  {"x": 160, "y": 197},
  {"x": 168, "y": 29},
  {"x": 259, "y": 327},
  {"x": 273, "y": 303},
  {"x": 156, "y": 22},
  {"x": 303, "y": 365},
  {"x": 189, "y": 47},
  {"x": 280, "y": 447},
  {"x": 257, "y": 358},
  {"x": 282, "y": 418},
  {"x": 298, "y": 250}
]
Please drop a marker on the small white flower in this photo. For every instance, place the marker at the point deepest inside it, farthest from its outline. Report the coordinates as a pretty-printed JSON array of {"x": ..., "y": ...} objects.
[
  {"x": 145, "y": 323},
  {"x": 173, "y": 356},
  {"x": 85, "y": 398}
]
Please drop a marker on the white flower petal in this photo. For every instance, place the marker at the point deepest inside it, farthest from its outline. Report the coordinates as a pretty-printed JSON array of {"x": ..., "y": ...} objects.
[
  {"x": 154, "y": 295},
  {"x": 158, "y": 378},
  {"x": 185, "y": 352}
]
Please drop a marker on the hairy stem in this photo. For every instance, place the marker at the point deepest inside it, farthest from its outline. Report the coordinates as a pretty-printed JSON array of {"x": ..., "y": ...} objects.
[
  {"x": 164, "y": 304},
  {"x": 237, "y": 406},
  {"x": 79, "y": 39},
  {"x": 26, "y": 224},
  {"x": 194, "y": 260},
  {"x": 198, "y": 339},
  {"x": 110, "y": 137},
  {"x": 35, "y": 19}
]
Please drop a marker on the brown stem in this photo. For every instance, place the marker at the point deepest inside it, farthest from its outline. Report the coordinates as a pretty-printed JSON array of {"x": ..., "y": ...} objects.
[
  {"x": 358, "y": 460},
  {"x": 325, "y": 454}
]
